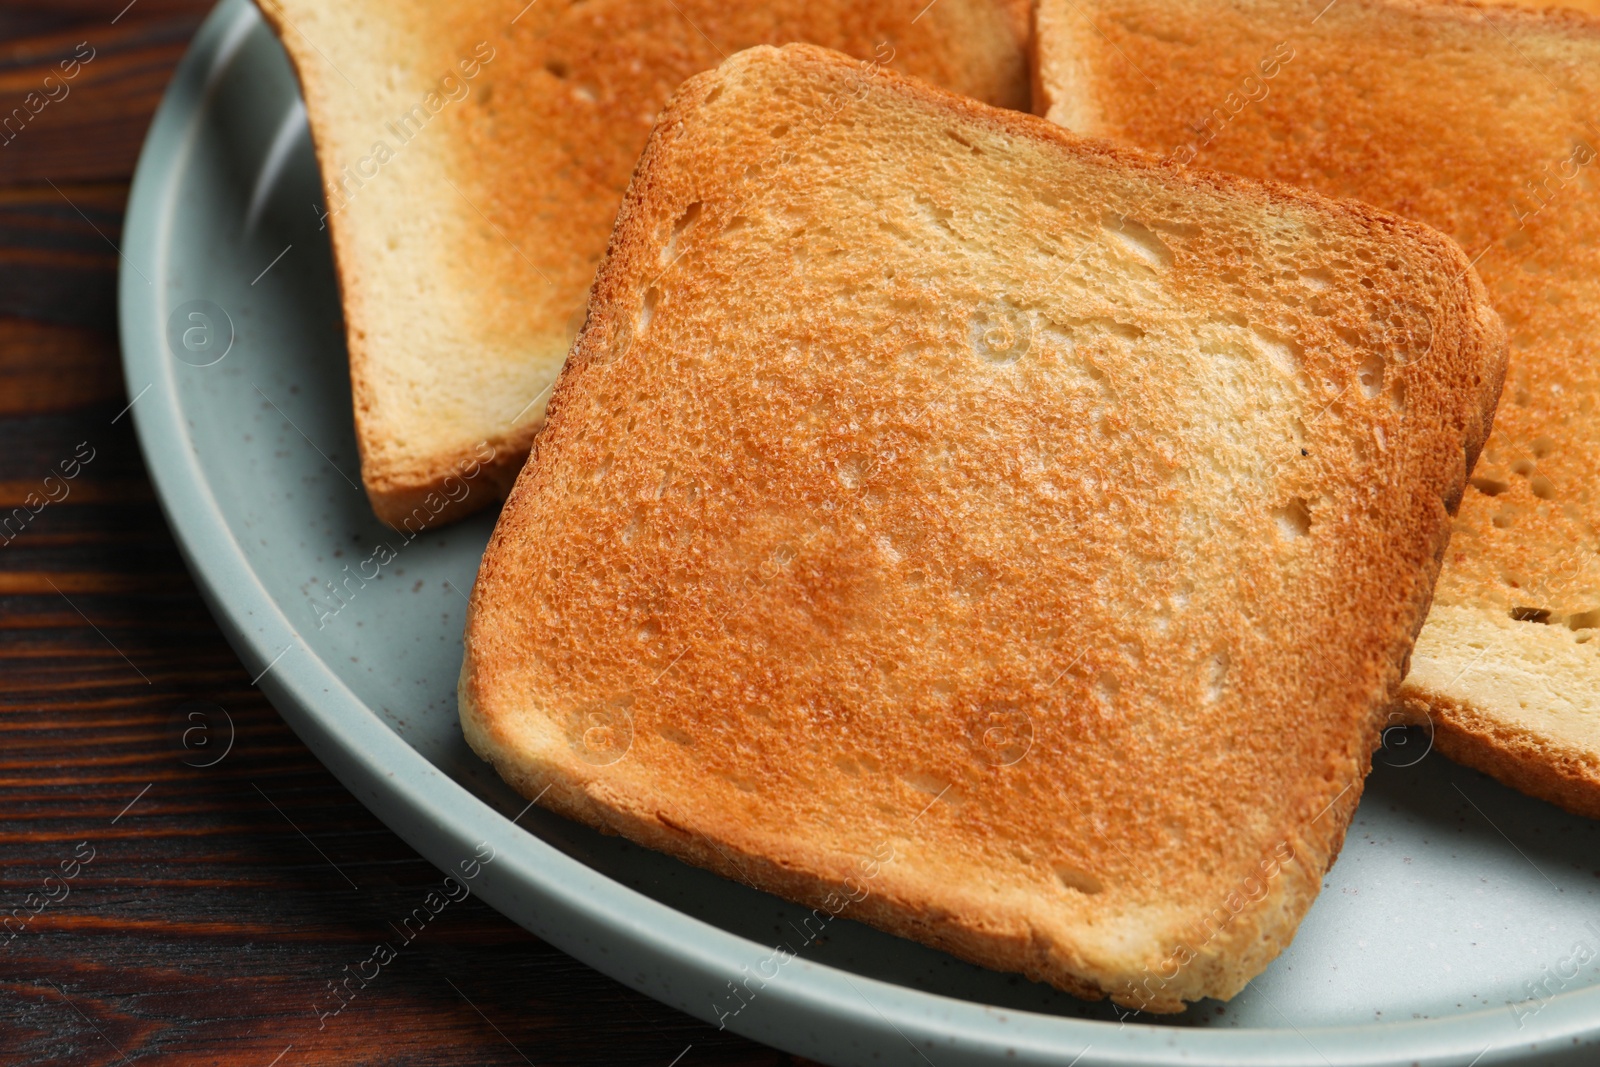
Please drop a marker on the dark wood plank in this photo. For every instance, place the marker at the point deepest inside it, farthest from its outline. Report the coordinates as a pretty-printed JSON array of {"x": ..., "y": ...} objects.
[
  {"x": 205, "y": 925},
  {"x": 58, "y": 253},
  {"x": 47, "y": 368},
  {"x": 77, "y": 92},
  {"x": 22, "y": 19}
]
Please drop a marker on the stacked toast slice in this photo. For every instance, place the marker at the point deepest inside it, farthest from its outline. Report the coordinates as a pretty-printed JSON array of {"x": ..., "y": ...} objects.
[
  {"x": 473, "y": 156},
  {"x": 1002, "y": 538},
  {"x": 1483, "y": 122}
]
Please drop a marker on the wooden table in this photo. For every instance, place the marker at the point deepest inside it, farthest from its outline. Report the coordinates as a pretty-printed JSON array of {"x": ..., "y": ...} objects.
[{"x": 175, "y": 912}]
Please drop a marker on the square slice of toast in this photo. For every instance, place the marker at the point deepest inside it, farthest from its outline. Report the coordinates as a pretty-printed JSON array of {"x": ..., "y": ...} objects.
[
  {"x": 990, "y": 534},
  {"x": 473, "y": 157},
  {"x": 1483, "y": 122}
]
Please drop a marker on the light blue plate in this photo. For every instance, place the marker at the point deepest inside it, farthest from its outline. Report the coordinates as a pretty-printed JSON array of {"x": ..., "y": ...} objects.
[{"x": 1454, "y": 897}]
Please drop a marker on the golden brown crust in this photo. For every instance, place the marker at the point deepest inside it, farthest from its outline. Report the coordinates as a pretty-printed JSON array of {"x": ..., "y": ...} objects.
[
  {"x": 1587, "y": 7},
  {"x": 466, "y": 243},
  {"x": 1478, "y": 120},
  {"x": 1568, "y": 778},
  {"x": 1006, "y": 949},
  {"x": 783, "y": 586}
]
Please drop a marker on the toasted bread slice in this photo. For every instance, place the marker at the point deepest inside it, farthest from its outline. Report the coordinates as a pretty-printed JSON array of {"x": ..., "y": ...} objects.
[
  {"x": 1482, "y": 122},
  {"x": 474, "y": 155},
  {"x": 1588, "y": 7},
  {"x": 909, "y": 531}
]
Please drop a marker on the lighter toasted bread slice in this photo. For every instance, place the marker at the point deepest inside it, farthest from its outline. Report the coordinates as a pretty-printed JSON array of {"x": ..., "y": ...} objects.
[
  {"x": 474, "y": 154},
  {"x": 908, "y": 531},
  {"x": 1481, "y": 122}
]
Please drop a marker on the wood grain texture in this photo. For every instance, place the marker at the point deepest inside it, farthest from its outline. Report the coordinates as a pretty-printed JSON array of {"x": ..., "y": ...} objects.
[{"x": 204, "y": 925}]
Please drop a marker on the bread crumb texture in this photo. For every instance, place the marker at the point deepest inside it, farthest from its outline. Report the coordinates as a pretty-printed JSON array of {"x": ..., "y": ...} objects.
[
  {"x": 474, "y": 156},
  {"x": 927, "y": 480},
  {"x": 1480, "y": 122}
]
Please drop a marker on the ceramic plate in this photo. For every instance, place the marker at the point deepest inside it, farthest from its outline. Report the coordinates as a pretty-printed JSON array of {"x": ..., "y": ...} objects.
[{"x": 1460, "y": 926}]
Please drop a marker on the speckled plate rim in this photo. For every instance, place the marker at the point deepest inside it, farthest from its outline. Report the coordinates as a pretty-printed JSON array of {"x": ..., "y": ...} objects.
[{"x": 811, "y": 1009}]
